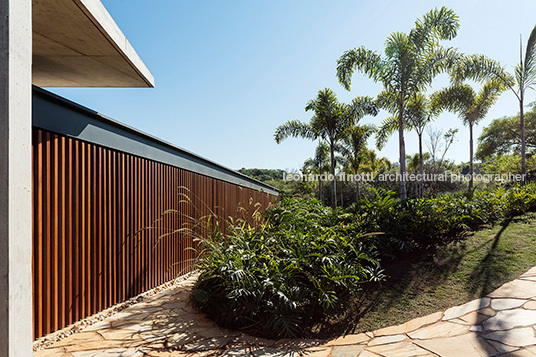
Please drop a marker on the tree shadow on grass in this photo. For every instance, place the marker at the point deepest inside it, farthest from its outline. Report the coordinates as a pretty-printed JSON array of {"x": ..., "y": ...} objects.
[
  {"x": 407, "y": 276},
  {"x": 488, "y": 272}
]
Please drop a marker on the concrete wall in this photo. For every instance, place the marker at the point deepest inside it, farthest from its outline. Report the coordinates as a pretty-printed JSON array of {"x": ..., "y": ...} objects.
[{"x": 15, "y": 178}]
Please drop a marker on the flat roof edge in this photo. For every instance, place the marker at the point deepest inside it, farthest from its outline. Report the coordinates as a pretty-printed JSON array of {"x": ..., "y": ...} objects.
[
  {"x": 96, "y": 11},
  {"x": 102, "y": 130}
]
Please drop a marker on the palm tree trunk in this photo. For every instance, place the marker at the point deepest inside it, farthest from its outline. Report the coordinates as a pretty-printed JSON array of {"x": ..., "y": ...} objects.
[
  {"x": 356, "y": 173},
  {"x": 332, "y": 171},
  {"x": 421, "y": 168},
  {"x": 471, "y": 156},
  {"x": 522, "y": 127},
  {"x": 342, "y": 197},
  {"x": 402, "y": 147}
]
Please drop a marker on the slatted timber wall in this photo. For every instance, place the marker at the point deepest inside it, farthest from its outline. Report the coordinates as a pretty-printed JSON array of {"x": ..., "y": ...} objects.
[{"x": 88, "y": 203}]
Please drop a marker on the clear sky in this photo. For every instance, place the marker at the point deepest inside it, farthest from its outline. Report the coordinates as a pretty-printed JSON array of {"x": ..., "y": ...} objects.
[{"x": 229, "y": 72}]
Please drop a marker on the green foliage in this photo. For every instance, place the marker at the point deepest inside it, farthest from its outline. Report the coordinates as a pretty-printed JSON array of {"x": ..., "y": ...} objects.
[
  {"x": 521, "y": 199},
  {"x": 427, "y": 223},
  {"x": 279, "y": 278},
  {"x": 263, "y": 175},
  {"x": 300, "y": 266},
  {"x": 501, "y": 137},
  {"x": 506, "y": 164}
]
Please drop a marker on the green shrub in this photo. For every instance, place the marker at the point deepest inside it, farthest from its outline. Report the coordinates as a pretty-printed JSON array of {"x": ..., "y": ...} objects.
[
  {"x": 431, "y": 222},
  {"x": 521, "y": 199},
  {"x": 304, "y": 263},
  {"x": 274, "y": 281}
]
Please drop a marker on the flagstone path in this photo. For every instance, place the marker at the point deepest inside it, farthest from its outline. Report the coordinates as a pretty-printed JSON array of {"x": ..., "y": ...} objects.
[{"x": 500, "y": 324}]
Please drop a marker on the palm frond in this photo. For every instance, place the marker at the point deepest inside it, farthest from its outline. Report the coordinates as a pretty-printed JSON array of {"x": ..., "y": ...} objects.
[
  {"x": 437, "y": 24},
  {"x": 488, "y": 95},
  {"x": 294, "y": 128},
  {"x": 457, "y": 98},
  {"x": 529, "y": 65},
  {"x": 361, "y": 59},
  {"x": 388, "y": 127},
  {"x": 361, "y": 106},
  {"x": 481, "y": 68}
]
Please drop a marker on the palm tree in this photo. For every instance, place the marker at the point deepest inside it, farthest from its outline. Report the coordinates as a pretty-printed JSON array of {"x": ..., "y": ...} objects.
[
  {"x": 471, "y": 107},
  {"x": 480, "y": 68},
  {"x": 418, "y": 115},
  {"x": 410, "y": 63},
  {"x": 374, "y": 165},
  {"x": 353, "y": 146},
  {"x": 319, "y": 164},
  {"x": 329, "y": 122}
]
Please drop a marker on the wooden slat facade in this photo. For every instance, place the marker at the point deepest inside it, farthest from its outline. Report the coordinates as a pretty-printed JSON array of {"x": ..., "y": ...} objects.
[{"x": 88, "y": 203}]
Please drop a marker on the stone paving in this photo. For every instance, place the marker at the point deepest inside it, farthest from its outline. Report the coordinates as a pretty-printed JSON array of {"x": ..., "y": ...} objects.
[{"x": 500, "y": 324}]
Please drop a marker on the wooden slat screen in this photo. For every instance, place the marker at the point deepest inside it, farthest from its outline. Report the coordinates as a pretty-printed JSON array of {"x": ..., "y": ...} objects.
[{"x": 88, "y": 203}]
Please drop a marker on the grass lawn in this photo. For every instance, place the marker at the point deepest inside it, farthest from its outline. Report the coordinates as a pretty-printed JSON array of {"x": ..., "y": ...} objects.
[{"x": 460, "y": 272}]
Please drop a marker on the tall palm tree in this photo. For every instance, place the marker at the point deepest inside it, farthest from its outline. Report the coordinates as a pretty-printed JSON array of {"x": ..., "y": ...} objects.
[
  {"x": 329, "y": 122},
  {"x": 417, "y": 116},
  {"x": 471, "y": 107},
  {"x": 410, "y": 63},
  {"x": 353, "y": 147},
  {"x": 319, "y": 164},
  {"x": 480, "y": 68}
]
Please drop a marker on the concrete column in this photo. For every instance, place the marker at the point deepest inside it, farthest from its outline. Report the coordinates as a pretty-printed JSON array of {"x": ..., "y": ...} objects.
[{"x": 15, "y": 178}]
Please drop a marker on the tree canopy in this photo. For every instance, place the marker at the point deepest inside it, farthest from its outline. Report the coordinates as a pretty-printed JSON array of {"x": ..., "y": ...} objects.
[{"x": 501, "y": 137}]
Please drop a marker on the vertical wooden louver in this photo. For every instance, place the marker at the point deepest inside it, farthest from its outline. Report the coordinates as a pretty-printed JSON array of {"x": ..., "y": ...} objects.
[{"x": 88, "y": 204}]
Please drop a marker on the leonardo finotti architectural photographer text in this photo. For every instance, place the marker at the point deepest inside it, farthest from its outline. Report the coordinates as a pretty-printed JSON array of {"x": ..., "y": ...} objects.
[{"x": 426, "y": 177}]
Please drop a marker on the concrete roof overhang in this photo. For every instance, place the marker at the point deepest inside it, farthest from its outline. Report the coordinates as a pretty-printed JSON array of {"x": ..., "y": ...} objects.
[{"x": 76, "y": 43}]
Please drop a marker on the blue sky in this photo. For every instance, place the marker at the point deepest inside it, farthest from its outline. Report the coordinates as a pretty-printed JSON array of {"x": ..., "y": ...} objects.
[{"x": 229, "y": 72}]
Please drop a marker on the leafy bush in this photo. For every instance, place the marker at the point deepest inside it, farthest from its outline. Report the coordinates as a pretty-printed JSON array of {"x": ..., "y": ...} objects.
[
  {"x": 274, "y": 281},
  {"x": 431, "y": 222},
  {"x": 520, "y": 199},
  {"x": 305, "y": 261}
]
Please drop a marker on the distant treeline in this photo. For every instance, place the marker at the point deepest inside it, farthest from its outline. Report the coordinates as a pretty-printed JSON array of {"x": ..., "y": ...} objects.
[{"x": 263, "y": 175}]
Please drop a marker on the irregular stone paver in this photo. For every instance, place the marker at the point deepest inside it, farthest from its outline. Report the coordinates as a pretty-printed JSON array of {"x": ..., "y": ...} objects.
[
  {"x": 517, "y": 337},
  {"x": 505, "y": 304},
  {"x": 386, "y": 340},
  {"x": 474, "y": 318},
  {"x": 347, "y": 351},
  {"x": 439, "y": 329},
  {"x": 520, "y": 353},
  {"x": 519, "y": 289},
  {"x": 488, "y": 311},
  {"x": 509, "y": 319},
  {"x": 531, "y": 305},
  {"x": 410, "y": 325},
  {"x": 464, "y": 309},
  {"x": 502, "y": 348},
  {"x": 349, "y": 340},
  {"x": 164, "y": 325},
  {"x": 366, "y": 353},
  {"x": 399, "y": 349},
  {"x": 463, "y": 345}
]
